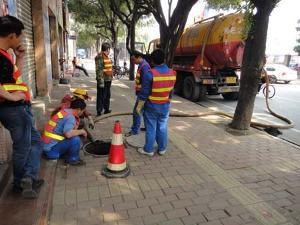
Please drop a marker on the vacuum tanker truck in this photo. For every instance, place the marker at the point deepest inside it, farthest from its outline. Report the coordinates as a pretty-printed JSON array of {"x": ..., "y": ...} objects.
[{"x": 208, "y": 57}]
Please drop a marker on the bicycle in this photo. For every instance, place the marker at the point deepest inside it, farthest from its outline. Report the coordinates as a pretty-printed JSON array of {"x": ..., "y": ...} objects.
[
  {"x": 271, "y": 90},
  {"x": 120, "y": 72}
]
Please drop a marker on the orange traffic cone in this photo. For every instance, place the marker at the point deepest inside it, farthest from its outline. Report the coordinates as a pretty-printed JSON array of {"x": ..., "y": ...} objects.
[{"x": 116, "y": 165}]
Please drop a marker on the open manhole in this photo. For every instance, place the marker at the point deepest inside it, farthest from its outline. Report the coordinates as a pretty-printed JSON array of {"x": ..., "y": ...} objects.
[{"x": 97, "y": 148}]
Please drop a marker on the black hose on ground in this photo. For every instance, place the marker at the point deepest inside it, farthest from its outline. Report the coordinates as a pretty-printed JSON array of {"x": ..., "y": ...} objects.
[{"x": 220, "y": 113}]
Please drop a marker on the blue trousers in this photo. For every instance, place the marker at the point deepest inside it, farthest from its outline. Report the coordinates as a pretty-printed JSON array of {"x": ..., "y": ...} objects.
[
  {"x": 68, "y": 148},
  {"x": 136, "y": 119},
  {"x": 156, "y": 122},
  {"x": 26, "y": 139}
]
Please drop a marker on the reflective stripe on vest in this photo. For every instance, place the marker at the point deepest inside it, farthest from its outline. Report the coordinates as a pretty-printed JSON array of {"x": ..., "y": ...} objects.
[
  {"x": 51, "y": 125},
  {"x": 53, "y": 136},
  {"x": 14, "y": 87},
  {"x": 162, "y": 85},
  {"x": 107, "y": 65},
  {"x": 18, "y": 85},
  {"x": 138, "y": 81}
]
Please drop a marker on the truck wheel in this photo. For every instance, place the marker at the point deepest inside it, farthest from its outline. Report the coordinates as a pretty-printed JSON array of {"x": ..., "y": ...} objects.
[
  {"x": 202, "y": 92},
  {"x": 179, "y": 84},
  {"x": 231, "y": 96},
  {"x": 191, "y": 90}
]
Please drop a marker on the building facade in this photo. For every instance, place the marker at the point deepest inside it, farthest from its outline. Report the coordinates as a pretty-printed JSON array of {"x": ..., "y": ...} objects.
[{"x": 45, "y": 41}]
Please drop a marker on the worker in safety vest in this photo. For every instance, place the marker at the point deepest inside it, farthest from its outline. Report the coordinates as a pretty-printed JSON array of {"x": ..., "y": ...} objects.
[
  {"x": 78, "y": 93},
  {"x": 104, "y": 73},
  {"x": 61, "y": 136},
  {"x": 15, "y": 111},
  {"x": 143, "y": 68},
  {"x": 154, "y": 97}
]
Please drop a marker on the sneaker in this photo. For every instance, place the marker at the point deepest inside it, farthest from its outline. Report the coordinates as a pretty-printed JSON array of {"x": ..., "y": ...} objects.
[
  {"x": 162, "y": 152},
  {"x": 37, "y": 184},
  {"x": 107, "y": 111},
  {"x": 130, "y": 133},
  {"x": 80, "y": 162},
  {"x": 28, "y": 192},
  {"x": 142, "y": 151}
]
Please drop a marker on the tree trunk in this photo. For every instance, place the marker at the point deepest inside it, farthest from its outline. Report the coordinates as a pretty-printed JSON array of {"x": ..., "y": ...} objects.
[
  {"x": 132, "y": 47},
  {"x": 251, "y": 68},
  {"x": 170, "y": 35}
]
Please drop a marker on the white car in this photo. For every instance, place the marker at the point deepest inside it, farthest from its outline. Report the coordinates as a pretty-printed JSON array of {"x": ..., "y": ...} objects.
[{"x": 281, "y": 73}]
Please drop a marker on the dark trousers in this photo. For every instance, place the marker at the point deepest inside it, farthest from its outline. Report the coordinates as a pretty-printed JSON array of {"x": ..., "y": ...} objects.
[
  {"x": 82, "y": 69},
  {"x": 26, "y": 141},
  {"x": 103, "y": 97}
]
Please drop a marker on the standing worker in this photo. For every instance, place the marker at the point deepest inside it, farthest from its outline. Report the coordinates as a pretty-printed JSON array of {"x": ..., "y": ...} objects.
[
  {"x": 15, "y": 111},
  {"x": 143, "y": 68},
  {"x": 155, "y": 96},
  {"x": 104, "y": 74}
]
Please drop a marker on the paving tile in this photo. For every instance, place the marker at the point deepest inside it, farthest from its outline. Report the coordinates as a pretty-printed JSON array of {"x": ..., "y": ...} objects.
[
  {"x": 146, "y": 202},
  {"x": 193, "y": 219},
  {"x": 161, "y": 208},
  {"x": 139, "y": 212},
  {"x": 176, "y": 213},
  {"x": 154, "y": 219}
]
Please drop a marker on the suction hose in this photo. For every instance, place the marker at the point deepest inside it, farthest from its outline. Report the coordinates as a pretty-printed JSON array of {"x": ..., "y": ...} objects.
[{"x": 219, "y": 113}]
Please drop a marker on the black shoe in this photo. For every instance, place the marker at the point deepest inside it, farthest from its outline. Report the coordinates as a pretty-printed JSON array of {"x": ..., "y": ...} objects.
[
  {"x": 37, "y": 184},
  {"x": 143, "y": 129},
  {"x": 80, "y": 162},
  {"x": 28, "y": 192},
  {"x": 17, "y": 189},
  {"x": 107, "y": 111},
  {"x": 98, "y": 114}
]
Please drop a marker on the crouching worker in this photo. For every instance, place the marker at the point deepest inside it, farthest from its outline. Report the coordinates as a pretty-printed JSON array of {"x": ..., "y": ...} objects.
[
  {"x": 61, "y": 136},
  {"x": 78, "y": 93}
]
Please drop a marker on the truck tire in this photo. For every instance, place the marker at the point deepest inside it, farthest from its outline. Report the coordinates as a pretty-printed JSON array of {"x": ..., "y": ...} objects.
[
  {"x": 193, "y": 91},
  {"x": 231, "y": 96},
  {"x": 179, "y": 84}
]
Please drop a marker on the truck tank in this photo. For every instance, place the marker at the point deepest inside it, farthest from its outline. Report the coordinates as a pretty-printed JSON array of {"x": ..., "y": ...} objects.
[{"x": 220, "y": 40}]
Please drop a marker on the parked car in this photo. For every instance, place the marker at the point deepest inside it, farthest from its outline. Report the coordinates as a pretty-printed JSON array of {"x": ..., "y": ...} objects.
[{"x": 281, "y": 73}]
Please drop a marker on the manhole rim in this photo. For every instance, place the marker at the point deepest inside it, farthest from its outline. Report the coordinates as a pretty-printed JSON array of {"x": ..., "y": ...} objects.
[{"x": 94, "y": 155}]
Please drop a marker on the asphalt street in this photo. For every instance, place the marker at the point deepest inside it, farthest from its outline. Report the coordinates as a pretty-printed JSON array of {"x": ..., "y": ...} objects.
[{"x": 286, "y": 102}]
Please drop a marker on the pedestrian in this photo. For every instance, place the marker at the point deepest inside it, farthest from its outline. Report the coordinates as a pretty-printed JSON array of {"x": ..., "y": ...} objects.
[
  {"x": 143, "y": 68},
  {"x": 78, "y": 93},
  {"x": 157, "y": 88},
  {"x": 263, "y": 74},
  {"x": 15, "y": 111},
  {"x": 104, "y": 74},
  {"x": 76, "y": 66},
  {"x": 61, "y": 136}
]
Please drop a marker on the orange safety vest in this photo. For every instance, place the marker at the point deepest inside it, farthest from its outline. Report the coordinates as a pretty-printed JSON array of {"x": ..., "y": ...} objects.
[
  {"x": 49, "y": 134},
  {"x": 107, "y": 67},
  {"x": 162, "y": 85},
  {"x": 138, "y": 80},
  {"x": 18, "y": 85}
]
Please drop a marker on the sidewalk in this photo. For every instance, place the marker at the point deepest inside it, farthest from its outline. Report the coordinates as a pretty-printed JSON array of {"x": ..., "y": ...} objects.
[{"x": 208, "y": 176}]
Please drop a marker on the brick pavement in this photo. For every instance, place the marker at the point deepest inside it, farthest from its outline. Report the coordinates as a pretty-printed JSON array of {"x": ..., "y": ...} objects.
[{"x": 208, "y": 176}]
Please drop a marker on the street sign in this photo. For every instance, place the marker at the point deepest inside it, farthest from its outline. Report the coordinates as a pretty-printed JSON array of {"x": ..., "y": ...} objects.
[{"x": 72, "y": 37}]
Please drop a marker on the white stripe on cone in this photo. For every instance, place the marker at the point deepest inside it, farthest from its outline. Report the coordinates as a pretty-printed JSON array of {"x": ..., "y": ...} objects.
[
  {"x": 117, "y": 139},
  {"x": 116, "y": 167}
]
